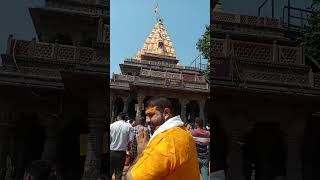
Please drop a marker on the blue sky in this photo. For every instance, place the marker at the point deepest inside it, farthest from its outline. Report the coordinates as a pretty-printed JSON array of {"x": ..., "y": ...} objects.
[{"x": 131, "y": 22}]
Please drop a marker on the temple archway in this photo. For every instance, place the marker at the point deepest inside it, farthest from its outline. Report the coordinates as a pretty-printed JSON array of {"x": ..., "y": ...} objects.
[
  {"x": 192, "y": 111},
  {"x": 131, "y": 108},
  {"x": 176, "y": 105},
  {"x": 118, "y": 106},
  {"x": 265, "y": 151}
]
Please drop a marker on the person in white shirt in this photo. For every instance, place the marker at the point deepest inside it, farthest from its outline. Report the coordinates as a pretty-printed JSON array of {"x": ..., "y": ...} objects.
[{"x": 119, "y": 140}]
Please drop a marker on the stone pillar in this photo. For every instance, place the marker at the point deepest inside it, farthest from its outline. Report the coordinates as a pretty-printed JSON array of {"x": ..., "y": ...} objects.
[
  {"x": 183, "y": 103},
  {"x": 50, "y": 122},
  {"x": 125, "y": 104},
  {"x": 112, "y": 108},
  {"x": 93, "y": 158},
  {"x": 201, "y": 113},
  {"x": 96, "y": 119},
  {"x": 100, "y": 30},
  {"x": 140, "y": 99},
  {"x": 106, "y": 33}
]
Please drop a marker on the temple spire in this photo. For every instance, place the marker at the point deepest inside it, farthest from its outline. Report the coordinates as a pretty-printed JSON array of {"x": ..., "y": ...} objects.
[{"x": 158, "y": 42}]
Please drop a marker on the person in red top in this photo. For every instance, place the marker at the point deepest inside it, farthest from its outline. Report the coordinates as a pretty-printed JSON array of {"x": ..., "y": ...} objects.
[{"x": 202, "y": 139}]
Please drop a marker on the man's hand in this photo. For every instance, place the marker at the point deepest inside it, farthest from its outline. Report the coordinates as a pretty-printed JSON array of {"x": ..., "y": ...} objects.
[{"x": 142, "y": 140}]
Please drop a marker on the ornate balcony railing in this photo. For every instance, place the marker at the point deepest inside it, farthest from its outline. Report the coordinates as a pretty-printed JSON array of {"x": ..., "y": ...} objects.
[
  {"x": 119, "y": 77},
  {"x": 252, "y": 51},
  {"x": 161, "y": 63},
  {"x": 94, "y": 9},
  {"x": 280, "y": 75},
  {"x": 276, "y": 75},
  {"x": 260, "y": 62},
  {"x": 159, "y": 81},
  {"x": 246, "y": 20},
  {"x": 92, "y": 2},
  {"x": 169, "y": 75},
  {"x": 257, "y": 52},
  {"x": 119, "y": 84},
  {"x": 52, "y": 53}
]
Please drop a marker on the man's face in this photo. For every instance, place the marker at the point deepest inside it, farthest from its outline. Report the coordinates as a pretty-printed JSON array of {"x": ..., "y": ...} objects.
[{"x": 154, "y": 117}]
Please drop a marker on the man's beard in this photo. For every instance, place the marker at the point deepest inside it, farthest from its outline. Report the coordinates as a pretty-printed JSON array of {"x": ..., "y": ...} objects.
[{"x": 158, "y": 122}]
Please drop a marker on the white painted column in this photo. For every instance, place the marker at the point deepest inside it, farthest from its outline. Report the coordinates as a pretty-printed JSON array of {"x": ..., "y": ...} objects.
[
  {"x": 125, "y": 104},
  {"x": 140, "y": 99}
]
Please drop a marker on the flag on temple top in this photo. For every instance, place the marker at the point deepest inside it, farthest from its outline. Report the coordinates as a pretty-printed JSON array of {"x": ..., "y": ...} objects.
[{"x": 156, "y": 9}]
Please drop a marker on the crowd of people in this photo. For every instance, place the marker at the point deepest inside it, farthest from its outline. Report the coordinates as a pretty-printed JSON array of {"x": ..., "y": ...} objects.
[{"x": 159, "y": 146}]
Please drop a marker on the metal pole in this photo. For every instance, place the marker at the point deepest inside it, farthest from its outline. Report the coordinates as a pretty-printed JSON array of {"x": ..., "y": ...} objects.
[
  {"x": 301, "y": 20},
  {"x": 259, "y": 11},
  {"x": 289, "y": 9},
  {"x": 272, "y": 8},
  {"x": 283, "y": 14}
]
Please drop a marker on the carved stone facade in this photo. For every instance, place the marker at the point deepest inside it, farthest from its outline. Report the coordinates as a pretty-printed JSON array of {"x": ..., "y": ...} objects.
[
  {"x": 53, "y": 91},
  {"x": 260, "y": 79}
]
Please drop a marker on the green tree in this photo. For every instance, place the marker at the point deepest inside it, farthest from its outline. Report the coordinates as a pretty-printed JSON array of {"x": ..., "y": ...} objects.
[
  {"x": 203, "y": 45},
  {"x": 311, "y": 38}
]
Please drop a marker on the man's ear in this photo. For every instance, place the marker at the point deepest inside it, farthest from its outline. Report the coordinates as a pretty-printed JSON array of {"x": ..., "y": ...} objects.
[{"x": 166, "y": 113}]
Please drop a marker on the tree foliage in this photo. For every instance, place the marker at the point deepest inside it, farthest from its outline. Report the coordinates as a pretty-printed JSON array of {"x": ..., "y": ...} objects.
[
  {"x": 312, "y": 36},
  {"x": 203, "y": 45}
]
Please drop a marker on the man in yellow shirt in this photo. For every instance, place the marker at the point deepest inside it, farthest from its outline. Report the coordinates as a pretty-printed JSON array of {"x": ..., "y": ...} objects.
[{"x": 170, "y": 154}]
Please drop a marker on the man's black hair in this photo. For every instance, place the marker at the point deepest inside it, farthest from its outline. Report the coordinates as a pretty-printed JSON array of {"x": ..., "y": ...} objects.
[
  {"x": 131, "y": 121},
  {"x": 199, "y": 122},
  {"x": 39, "y": 169},
  {"x": 161, "y": 103},
  {"x": 140, "y": 120},
  {"x": 122, "y": 115}
]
